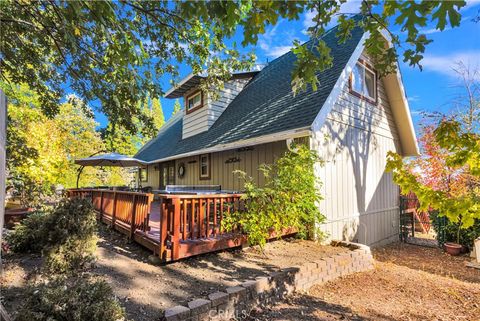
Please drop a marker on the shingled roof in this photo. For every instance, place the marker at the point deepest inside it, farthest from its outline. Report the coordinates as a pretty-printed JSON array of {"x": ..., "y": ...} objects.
[{"x": 265, "y": 106}]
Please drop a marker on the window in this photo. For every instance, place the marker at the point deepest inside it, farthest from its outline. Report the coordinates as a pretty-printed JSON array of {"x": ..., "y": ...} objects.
[
  {"x": 363, "y": 82},
  {"x": 194, "y": 101},
  {"x": 204, "y": 165},
  {"x": 143, "y": 174}
]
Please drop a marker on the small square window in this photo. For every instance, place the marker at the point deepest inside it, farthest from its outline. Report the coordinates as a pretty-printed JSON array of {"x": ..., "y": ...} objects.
[
  {"x": 204, "y": 166},
  {"x": 363, "y": 82},
  {"x": 194, "y": 101}
]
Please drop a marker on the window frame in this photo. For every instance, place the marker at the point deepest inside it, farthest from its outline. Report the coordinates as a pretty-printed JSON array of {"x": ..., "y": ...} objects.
[
  {"x": 207, "y": 176},
  {"x": 367, "y": 67},
  {"x": 190, "y": 96},
  {"x": 140, "y": 171}
]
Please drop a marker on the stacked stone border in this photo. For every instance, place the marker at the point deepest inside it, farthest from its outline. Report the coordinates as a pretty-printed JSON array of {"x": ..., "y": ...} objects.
[{"x": 237, "y": 302}]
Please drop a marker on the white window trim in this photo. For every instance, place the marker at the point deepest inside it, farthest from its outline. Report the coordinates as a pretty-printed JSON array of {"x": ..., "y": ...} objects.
[
  {"x": 364, "y": 93},
  {"x": 190, "y": 97},
  {"x": 204, "y": 176}
]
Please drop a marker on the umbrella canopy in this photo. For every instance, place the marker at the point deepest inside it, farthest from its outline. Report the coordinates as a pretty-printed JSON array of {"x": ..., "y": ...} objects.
[{"x": 110, "y": 159}]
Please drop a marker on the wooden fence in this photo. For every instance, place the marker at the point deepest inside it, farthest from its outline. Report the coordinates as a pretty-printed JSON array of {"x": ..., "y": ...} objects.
[
  {"x": 192, "y": 224},
  {"x": 127, "y": 212}
]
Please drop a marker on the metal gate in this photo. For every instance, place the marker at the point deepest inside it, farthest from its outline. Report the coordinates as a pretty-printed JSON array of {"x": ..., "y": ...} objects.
[{"x": 420, "y": 227}]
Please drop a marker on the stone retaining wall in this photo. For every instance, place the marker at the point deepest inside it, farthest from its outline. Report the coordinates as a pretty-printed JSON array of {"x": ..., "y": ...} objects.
[{"x": 237, "y": 302}]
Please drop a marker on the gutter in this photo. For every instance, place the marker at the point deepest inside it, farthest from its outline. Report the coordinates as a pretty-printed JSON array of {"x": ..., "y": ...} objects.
[{"x": 285, "y": 135}]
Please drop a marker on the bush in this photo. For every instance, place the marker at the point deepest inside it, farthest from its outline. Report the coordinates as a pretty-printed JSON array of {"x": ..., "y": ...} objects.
[
  {"x": 65, "y": 235},
  {"x": 289, "y": 199},
  {"x": 29, "y": 236},
  {"x": 73, "y": 300},
  {"x": 71, "y": 236},
  {"x": 451, "y": 232}
]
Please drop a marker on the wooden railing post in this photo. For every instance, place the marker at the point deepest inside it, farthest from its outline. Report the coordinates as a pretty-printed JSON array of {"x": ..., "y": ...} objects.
[
  {"x": 114, "y": 210},
  {"x": 134, "y": 214},
  {"x": 146, "y": 223},
  {"x": 176, "y": 229},
  {"x": 200, "y": 218},
  {"x": 101, "y": 205},
  {"x": 163, "y": 229}
]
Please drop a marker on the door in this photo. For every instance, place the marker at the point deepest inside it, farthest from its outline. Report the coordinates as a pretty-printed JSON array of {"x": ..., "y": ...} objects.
[{"x": 167, "y": 174}]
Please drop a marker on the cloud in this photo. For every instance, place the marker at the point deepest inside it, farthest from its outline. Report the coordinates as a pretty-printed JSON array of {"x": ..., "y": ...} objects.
[
  {"x": 444, "y": 64},
  {"x": 274, "y": 44},
  {"x": 277, "y": 51},
  {"x": 413, "y": 99},
  {"x": 349, "y": 7}
]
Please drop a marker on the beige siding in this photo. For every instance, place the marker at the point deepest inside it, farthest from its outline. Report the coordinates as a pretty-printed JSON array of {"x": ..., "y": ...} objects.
[
  {"x": 153, "y": 177},
  {"x": 221, "y": 173},
  {"x": 361, "y": 200}
]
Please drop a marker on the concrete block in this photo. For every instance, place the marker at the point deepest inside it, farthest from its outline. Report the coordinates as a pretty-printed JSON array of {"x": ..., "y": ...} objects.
[
  {"x": 218, "y": 298},
  {"x": 199, "y": 306},
  {"x": 177, "y": 313}
]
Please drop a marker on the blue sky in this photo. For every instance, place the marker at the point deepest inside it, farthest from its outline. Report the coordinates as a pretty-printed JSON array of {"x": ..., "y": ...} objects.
[{"x": 429, "y": 90}]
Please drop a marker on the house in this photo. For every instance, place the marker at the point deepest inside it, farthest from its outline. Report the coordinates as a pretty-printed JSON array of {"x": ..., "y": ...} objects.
[{"x": 352, "y": 120}]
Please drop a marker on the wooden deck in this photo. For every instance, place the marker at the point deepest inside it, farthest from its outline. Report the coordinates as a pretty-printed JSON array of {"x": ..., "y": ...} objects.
[{"x": 175, "y": 227}]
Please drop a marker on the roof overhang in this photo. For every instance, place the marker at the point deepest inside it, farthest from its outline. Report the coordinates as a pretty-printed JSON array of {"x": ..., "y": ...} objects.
[
  {"x": 193, "y": 81},
  {"x": 294, "y": 133},
  {"x": 401, "y": 113}
]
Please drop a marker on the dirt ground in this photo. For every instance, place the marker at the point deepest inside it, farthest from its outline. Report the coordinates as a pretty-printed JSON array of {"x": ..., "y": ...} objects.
[
  {"x": 408, "y": 283},
  {"x": 145, "y": 290}
]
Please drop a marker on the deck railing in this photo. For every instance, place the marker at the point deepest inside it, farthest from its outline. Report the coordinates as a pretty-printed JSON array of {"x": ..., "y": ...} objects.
[
  {"x": 192, "y": 224},
  {"x": 125, "y": 211}
]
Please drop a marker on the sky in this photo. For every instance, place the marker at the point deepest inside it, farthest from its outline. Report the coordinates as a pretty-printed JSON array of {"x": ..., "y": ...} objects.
[{"x": 432, "y": 89}]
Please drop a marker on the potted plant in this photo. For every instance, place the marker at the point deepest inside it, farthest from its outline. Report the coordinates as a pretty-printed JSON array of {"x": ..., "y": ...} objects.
[{"x": 455, "y": 248}]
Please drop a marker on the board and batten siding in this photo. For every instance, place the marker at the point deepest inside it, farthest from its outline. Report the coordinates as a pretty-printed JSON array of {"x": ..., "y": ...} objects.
[
  {"x": 221, "y": 170},
  {"x": 360, "y": 198},
  {"x": 203, "y": 118}
]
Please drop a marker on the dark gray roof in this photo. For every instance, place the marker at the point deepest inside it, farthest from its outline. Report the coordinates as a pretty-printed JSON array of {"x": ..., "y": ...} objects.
[{"x": 265, "y": 106}]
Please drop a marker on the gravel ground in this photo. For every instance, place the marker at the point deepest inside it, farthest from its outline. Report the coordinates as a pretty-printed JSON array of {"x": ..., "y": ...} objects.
[
  {"x": 408, "y": 283},
  {"x": 145, "y": 290}
]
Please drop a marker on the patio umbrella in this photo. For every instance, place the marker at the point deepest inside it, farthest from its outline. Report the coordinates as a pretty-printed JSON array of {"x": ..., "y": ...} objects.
[{"x": 110, "y": 159}]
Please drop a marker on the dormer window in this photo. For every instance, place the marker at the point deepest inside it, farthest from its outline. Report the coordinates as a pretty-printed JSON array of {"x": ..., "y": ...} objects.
[
  {"x": 194, "y": 101},
  {"x": 363, "y": 82}
]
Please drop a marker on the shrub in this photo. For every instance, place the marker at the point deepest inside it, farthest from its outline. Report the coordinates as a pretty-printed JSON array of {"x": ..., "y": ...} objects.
[
  {"x": 65, "y": 235},
  {"x": 76, "y": 299},
  {"x": 71, "y": 236},
  {"x": 29, "y": 235},
  {"x": 451, "y": 232},
  {"x": 289, "y": 199}
]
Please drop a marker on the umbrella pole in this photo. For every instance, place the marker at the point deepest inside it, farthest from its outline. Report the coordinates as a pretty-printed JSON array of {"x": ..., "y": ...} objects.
[{"x": 80, "y": 170}]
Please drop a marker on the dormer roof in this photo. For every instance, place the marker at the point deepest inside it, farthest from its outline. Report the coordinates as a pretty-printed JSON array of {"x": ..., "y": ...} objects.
[{"x": 193, "y": 81}]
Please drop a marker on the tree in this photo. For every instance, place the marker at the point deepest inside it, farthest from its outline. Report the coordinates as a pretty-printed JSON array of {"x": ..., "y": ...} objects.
[
  {"x": 176, "y": 107},
  {"x": 115, "y": 52},
  {"x": 447, "y": 176},
  {"x": 156, "y": 112},
  {"x": 41, "y": 150}
]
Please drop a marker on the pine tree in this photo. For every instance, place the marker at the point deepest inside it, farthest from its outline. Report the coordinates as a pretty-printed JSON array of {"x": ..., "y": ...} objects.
[
  {"x": 176, "y": 107},
  {"x": 157, "y": 113}
]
